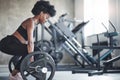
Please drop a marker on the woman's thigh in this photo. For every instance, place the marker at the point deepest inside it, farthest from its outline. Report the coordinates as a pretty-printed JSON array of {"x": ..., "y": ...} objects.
[{"x": 12, "y": 46}]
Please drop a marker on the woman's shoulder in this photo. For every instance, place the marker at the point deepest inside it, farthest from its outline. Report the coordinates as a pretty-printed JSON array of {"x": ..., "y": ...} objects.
[{"x": 28, "y": 21}]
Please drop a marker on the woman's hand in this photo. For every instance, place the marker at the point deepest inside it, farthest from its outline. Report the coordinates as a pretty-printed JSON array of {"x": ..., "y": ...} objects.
[{"x": 32, "y": 59}]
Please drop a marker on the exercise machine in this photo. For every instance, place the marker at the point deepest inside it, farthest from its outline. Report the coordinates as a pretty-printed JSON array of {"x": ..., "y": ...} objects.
[
  {"x": 111, "y": 47},
  {"x": 69, "y": 42}
]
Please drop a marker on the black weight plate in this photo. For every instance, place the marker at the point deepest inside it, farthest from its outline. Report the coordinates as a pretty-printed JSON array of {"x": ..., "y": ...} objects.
[{"x": 43, "y": 60}]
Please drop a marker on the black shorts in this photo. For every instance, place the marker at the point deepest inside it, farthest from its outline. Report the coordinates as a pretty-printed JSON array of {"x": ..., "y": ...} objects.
[{"x": 12, "y": 46}]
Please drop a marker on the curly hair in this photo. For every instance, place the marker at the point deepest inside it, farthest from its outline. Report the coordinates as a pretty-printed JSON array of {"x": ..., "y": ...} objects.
[{"x": 45, "y": 7}]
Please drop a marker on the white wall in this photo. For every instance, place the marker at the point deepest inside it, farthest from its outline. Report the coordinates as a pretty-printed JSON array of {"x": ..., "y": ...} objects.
[{"x": 79, "y": 9}]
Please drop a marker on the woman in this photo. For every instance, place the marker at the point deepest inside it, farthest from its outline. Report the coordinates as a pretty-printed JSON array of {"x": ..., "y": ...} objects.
[{"x": 21, "y": 42}]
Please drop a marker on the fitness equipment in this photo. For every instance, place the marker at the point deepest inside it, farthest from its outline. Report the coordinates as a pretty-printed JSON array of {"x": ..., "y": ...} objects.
[
  {"x": 105, "y": 68},
  {"x": 47, "y": 46},
  {"x": 38, "y": 68},
  {"x": 57, "y": 39},
  {"x": 57, "y": 56},
  {"x": 69, "y": 43},
  {"x": 111, "y": 47},
  {"x": 43, "y": 45}
]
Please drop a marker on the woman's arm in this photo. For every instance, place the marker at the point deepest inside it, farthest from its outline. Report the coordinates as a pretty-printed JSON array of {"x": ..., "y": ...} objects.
[{"x": 30, "y": 29}]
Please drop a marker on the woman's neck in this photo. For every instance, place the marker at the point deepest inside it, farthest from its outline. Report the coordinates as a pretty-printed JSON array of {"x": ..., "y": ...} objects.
[{"x": 36, "y": 20}]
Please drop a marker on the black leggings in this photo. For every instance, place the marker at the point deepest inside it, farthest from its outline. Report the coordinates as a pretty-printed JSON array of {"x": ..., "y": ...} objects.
[{"x": 12, "y": 46}]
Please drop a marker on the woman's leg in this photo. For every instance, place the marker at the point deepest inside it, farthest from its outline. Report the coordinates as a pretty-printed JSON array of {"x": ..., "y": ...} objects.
[
  {"x": 17, "y": 66},
  {"x": 12, "y": 46}
]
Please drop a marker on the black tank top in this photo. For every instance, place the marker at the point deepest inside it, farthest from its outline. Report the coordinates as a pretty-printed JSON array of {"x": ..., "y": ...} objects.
[{"x": 23, "y": 32}]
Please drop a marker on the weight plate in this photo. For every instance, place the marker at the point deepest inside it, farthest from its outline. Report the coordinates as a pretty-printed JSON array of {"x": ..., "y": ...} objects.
[
  {"x": 43, "y": 45},
  {"x": 57, "y": 56},
  {"x": 38, "y": 68}
]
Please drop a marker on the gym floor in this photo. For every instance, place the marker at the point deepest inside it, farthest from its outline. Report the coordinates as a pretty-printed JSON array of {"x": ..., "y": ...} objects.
[{"x": 67, "y": 75}]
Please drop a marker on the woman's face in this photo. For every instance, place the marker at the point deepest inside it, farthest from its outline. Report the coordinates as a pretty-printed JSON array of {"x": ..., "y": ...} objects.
[{"x": 43, "y": 17}]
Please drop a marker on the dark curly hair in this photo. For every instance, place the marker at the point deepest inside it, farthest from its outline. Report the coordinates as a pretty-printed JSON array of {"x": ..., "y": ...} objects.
[{"x": 45, "y": 7}]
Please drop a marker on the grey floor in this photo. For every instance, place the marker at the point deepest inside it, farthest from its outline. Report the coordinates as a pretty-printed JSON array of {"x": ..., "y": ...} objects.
[{"x": 67, "y": 75}]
